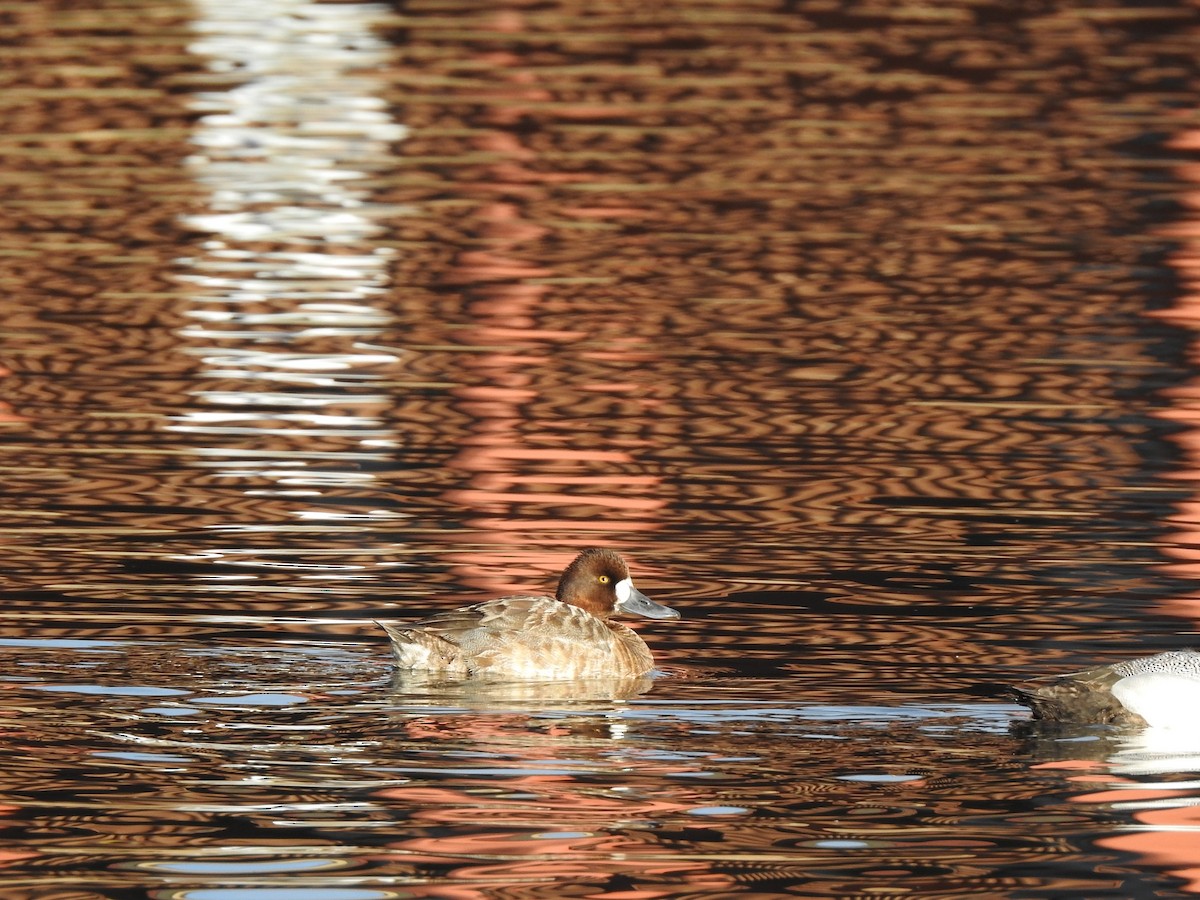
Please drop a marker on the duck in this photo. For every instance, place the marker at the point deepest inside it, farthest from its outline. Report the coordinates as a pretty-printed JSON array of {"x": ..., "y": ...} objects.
[
  {"x": 1161, "y": 691},
  {"x": 531, "y": 638}
]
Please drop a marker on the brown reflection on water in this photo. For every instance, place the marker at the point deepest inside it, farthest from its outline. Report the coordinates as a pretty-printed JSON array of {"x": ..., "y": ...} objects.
[
  {"x": 819, "y": 268},
  {"x": 720, "y": 788},
  {"x": 198, "y": 765},
  {"x": 748, "y": 302},
  {"x": 831, "y": 315}
]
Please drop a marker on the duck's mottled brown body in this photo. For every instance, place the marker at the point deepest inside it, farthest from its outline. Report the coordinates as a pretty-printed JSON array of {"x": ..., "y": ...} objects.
[
  {"x": 1082, "y": 697},
  {"x": 568, "y": 636}
]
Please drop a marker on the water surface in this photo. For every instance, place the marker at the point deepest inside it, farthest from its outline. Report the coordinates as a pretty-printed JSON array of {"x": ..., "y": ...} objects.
[{"x": 863, "y": 330}]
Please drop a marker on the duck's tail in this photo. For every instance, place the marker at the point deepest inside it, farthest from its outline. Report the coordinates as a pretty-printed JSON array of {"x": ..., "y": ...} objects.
[{"x": 419, "y": 650}]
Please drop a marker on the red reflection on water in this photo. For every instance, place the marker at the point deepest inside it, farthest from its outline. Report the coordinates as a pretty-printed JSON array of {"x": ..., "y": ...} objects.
[
  {"x": 12, "y": 856},
  {"x": 529, "y": 483},
  {"x": 1168, "y": 837},
  {"x": 1182, "y": 545},
  {"x": 7, "y": 413}
]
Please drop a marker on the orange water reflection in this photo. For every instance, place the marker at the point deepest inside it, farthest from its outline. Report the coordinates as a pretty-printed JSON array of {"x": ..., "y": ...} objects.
[
  {"x": 532, "y": 490},
  {"x": 1166, "y": 838},
  {"x": 1182, "y": 543},
  {"x": 1163, "y": 827}
]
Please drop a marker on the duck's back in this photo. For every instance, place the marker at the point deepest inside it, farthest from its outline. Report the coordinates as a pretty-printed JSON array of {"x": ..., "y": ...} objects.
[{"x": 520, "y": 638}]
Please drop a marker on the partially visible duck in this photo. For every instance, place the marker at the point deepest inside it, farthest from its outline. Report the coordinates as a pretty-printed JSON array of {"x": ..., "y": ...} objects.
[
  {"x": 567, "y": 636},
  {"x": 1161, "y": 690}
]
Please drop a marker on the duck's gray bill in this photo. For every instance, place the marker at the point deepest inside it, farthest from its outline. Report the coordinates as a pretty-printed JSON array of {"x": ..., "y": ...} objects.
[{"x": 641, "y": 605}]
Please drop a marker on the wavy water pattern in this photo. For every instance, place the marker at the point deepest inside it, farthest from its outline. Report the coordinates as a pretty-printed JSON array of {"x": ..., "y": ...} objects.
[{"x": 864, "y": 330}]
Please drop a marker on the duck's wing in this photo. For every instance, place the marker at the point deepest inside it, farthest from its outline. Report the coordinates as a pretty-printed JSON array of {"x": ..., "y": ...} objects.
[
  {"x": 470, "y": 638},
  {"x": 508, "y": 615},
  {"x": 521, "y": 637}
]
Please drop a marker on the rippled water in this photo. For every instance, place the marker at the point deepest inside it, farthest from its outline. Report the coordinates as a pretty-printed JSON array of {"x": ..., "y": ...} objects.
[{"x": 865, "y": 330}]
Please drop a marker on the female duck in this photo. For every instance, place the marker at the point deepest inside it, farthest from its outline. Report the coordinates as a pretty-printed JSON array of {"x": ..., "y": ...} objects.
[
  {"x": 567, "y": 636},
  {"x": 1161, "y": 690}
]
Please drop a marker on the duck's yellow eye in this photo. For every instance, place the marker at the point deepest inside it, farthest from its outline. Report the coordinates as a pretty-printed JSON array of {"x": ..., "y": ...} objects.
[{"x": 603, "y": 579}]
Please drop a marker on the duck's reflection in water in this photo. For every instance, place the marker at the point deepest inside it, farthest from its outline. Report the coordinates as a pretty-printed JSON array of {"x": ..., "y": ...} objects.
[{"x": 417, "y": 689}]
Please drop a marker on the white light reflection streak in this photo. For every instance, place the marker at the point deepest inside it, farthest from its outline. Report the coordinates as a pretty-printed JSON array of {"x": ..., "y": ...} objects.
[{"x": 290, "y": 290}]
